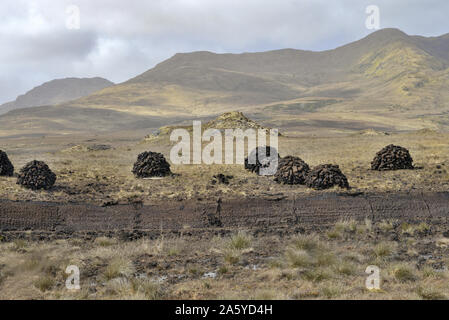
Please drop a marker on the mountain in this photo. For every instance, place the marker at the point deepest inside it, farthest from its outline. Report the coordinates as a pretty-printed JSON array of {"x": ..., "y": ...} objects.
[
  {"x": 386, "y": 81},
  {"x": 57, "y": 91}
]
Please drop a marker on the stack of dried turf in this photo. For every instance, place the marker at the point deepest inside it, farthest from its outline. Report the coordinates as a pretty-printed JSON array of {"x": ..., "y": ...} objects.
[
  {"x": 392, "y": 158},
  {"x": 326, "y": 176},
  {"x": 292, "y": 170},
  {"x": 36, "y": 175},
  {"x": 6, "y": 167},
  {"x": 260, "y": 158},
  {"x": 151, "y": 164},
  {"x": 221, "y": 178}
]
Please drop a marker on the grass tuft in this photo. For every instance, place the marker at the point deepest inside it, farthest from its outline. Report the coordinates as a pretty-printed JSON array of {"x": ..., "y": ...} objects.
[
  {"x": 316, "y": 274},
  {"x": 306, "y": 242},
  {"x": 346, "y": 268},
  {"x": 386, "y": 225},
  {"x": 404, "y": 273},
  {"x": 429, "y": 293},
  {"x": 240, "y": 241},
  {"x": 330, "y": 291},
  {"x": 298, "y": 258},
  {"x": 232, "y": 256},
  {"x": 105, "y": 242},
  {"x": 118, "y": 267},
  {"x": 383, "y": 250},
  {"x": 45, "y": 283}
]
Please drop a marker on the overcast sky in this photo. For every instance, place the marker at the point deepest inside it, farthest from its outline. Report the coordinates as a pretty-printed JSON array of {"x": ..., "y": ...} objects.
[{"x": 119, "y": 39}]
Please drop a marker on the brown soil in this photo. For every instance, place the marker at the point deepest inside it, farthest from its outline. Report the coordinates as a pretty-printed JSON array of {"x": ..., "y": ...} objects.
[{"x": 266, "y": 215}]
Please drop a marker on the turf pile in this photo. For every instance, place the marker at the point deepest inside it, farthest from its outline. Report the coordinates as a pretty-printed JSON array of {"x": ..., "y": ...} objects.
[
  {"x": 6, "y": 167},
  {"x": 392, "y": 158},
  {"x": 260, "y": 158},
  {"x": 221, "y": 178},
  {"x": 36, "y": 175},
  {"x": 326, "y": 176},
  {"x": 292, "y": 170},
  {"x": 151, "y": 164}
]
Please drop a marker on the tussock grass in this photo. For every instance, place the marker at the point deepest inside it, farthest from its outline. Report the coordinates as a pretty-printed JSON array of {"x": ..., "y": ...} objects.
[
  {"x": 334, "y": 234},
  {"x": 172, "y": 247},
  {"x": 368, "y": 225},
  {"x": 173, "y": 251},
  {"x": 45, "y": 283},
  {"x": 268, "y": 295},
  {"x": 430, "y": 293},
  {"x": 20, "y": 245},
  {"x": 307, "y": 242},
  {"x": 37, "y": 261},
  {"x": 232, "y": 256},
  {"x": 429, "y": 272},
  {"x": 136, "y": 289},
  {"x": 317, "y": 274},
  {"x": 331, "y": 291},
  {"x": 306, "y": 290},
  {"x": 298, "y": 258},
  {"x": 407, "y": 228},
  {"x": 277, "y": 262},
  {"x": 325, "y": 258},
  {"x": 105, "y": 241},
  {"x": 349, "y": 226},
  {"x": 223, "y": 270},
  {"x": 31, "y": 263},
  {"x": 346, "y": 268},
  {"x": 422, "y": 227},
  {"x": 305, "y": 266},
  {"x": 118, "y": 267},
  {"x": 386, "y": 225},
  {"x": 383, "y": 250},
  {"x": 234, "y": 247},
  {"x": 404, "y": 273},
  {"x": 309, "y": 250},
  {"x": 240, "y": 241},
  {"x": 354, "y": 257}
]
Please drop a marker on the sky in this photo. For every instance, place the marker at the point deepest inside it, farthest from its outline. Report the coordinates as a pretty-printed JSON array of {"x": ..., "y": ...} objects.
[{"x": 43, "y": 40}]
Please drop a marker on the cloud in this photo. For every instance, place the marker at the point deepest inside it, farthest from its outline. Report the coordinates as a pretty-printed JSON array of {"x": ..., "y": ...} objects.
[{"x": 121, "y": 39}]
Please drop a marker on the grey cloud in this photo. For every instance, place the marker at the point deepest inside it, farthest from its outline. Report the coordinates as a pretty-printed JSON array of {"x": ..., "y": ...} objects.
[{"x": 49, "y": 46}]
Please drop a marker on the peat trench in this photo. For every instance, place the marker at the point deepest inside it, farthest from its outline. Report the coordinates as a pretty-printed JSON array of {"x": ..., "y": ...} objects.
[{"x": 44, "y": 220}]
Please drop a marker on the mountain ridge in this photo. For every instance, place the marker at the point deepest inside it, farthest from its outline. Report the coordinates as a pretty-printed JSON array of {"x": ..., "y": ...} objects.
[
  {"x": 57, "y": 91},
  {"x": 386, "y": 79}
]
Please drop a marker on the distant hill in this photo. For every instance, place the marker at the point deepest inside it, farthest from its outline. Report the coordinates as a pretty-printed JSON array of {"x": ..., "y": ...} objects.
[
  {"x": 57, "y": 91},
  {"x": 200, "y": 82},
  {"x": 386, "y": 81}
]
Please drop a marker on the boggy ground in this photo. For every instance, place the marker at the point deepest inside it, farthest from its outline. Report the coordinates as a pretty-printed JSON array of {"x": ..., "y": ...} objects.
[
  {"x": 89, "y": 172},
  {"x": 329, "y": 264},
  {"x": 413, "y": 261}
]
